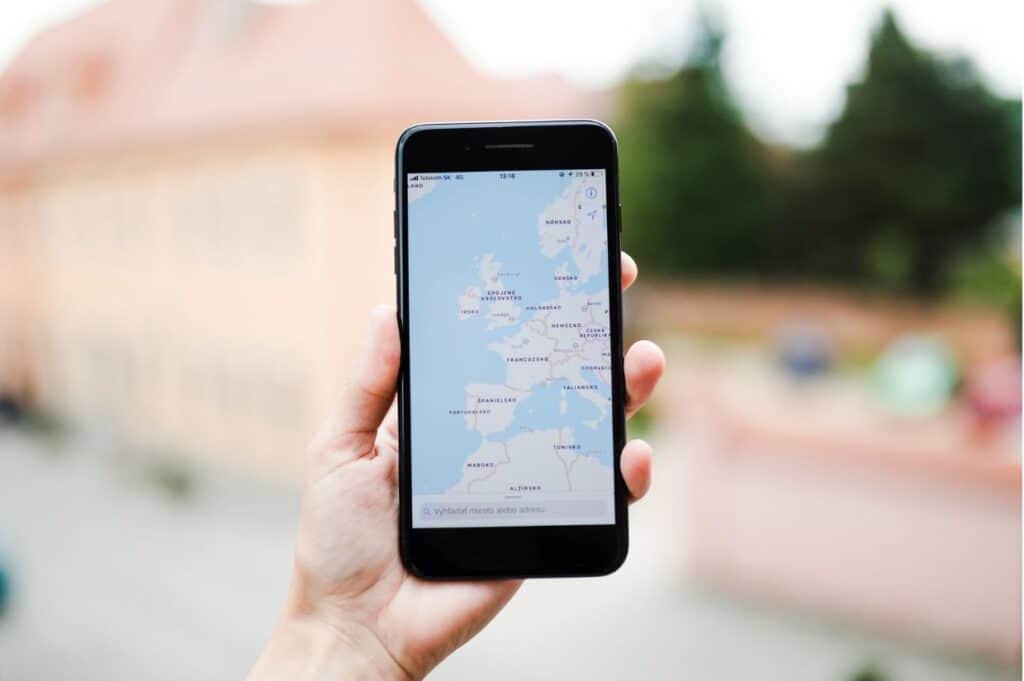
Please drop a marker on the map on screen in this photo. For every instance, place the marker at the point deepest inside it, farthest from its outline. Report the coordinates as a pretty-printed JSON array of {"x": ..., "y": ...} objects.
[{"x": 510, "y": 350}]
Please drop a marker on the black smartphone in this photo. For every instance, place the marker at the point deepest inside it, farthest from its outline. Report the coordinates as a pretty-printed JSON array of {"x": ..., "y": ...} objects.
[{"x": 511, "y": 395}]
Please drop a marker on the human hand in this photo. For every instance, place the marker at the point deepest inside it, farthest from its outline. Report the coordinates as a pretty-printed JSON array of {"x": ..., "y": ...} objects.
[{"x": 352, "y": 610}]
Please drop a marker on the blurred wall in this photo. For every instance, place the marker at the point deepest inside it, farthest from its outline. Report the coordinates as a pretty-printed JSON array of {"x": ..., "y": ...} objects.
[
  {"x": 206, "y": 299},
  {"x": 197, "y": 210},
  {"x": 20, "y": 291}
]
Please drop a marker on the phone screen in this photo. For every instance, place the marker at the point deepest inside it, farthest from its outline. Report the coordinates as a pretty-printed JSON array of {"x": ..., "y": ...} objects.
[{"x": 509, "y": 349}]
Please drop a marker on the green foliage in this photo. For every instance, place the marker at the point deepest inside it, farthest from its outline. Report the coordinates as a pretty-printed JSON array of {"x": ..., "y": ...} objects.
[
  {"x": 920, "y": 148},
  {"x": 686, "y": 158},
  {"x": 988, "y": 279},
  {"x": 912, "y": 175},
  {"x": 1012, "y": 121},
  {"x": 869, "y": 672},
  {"x": 47, "y": 427},
  {"x": 169, "y": 475},
  {"x": 642, "y": 423},
  {"x": 888, "y": 258}
]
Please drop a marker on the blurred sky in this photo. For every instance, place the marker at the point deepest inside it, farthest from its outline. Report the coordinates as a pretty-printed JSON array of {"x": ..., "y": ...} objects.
[{"x": 787, "y": 60}]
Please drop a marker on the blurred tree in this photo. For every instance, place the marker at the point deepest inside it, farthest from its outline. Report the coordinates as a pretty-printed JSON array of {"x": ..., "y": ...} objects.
[
  {"x": 869, "y": 672},
  {"x": 1012, "y": 111},
  {"x": 917, "y": 167},
  {"x": 692, "y": 178}
]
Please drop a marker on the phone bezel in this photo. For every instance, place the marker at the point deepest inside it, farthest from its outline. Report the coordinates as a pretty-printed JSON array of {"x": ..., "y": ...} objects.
[{"x": 511, "y": 552}]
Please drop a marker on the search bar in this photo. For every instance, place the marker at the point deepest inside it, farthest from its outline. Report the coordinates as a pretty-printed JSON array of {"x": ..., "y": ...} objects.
[{"x": 498, "y": 510}]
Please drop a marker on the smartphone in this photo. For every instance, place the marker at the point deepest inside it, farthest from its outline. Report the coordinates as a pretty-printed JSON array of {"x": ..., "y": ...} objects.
[{"x": 511, "y": 395}]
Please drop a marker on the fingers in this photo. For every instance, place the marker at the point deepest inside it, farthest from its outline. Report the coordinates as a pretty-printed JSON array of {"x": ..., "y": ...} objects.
[
  {"x": 629, "y": 271},
  {"x": 644, "y": 365},
  {"x": 636, "y": 468},
  {"x": 645, "y": 361},
  {"x": 351, "y": 430}
]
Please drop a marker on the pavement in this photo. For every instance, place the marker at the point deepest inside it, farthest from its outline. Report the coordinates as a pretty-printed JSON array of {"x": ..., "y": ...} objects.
[{"x": 115, "y": 578}]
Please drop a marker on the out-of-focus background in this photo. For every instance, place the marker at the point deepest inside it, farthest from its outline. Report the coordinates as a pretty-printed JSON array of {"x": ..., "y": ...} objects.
[{"x": 825, "y": 200}]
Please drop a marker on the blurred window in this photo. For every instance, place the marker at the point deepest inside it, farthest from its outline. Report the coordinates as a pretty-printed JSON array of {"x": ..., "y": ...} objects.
[
  {"x": 247, "y": 216},
  {"x": 245, "y": 391},
  {"x": 91, "y": 77}
]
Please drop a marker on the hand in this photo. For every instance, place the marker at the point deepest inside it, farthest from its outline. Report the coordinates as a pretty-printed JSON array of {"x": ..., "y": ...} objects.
[{"x": 352, "y": 610}]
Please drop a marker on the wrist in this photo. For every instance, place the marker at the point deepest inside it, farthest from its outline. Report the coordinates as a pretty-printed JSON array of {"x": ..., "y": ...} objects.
[{"x": 304, "y": 648}]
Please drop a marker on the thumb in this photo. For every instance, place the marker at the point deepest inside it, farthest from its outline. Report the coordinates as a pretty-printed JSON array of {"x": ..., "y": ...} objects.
[{"x": 350, "y": 432}]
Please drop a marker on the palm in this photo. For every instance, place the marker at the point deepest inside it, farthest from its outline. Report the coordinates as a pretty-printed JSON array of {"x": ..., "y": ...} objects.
[{"x": 356, "y": 568}]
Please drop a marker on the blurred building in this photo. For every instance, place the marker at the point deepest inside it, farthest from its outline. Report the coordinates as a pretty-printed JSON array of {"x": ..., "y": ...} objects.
[{"x": 195, "y": 209}]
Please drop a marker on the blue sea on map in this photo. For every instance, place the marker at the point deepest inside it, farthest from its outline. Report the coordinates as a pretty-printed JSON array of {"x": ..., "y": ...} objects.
[{"x": 450, "y": 229}]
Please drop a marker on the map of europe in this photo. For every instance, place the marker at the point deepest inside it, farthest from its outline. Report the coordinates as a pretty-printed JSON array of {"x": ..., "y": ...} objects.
[{"x": 510, "y": 353}]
